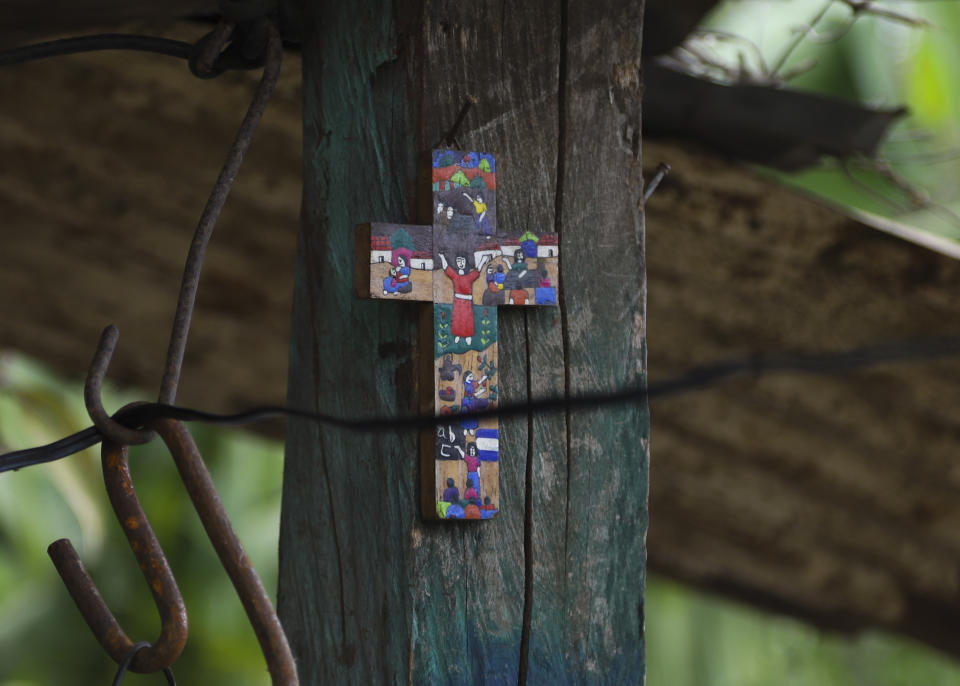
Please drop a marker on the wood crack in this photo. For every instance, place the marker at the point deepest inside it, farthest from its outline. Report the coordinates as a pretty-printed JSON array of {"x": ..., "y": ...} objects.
[
  {"x": 526, "y": 627},
  {"x": 562, "y": 79}
]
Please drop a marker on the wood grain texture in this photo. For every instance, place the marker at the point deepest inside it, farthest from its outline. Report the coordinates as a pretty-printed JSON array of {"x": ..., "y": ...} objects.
[
  {"x": 551, "y": 590},
  {"x": 830, "y": 498}
]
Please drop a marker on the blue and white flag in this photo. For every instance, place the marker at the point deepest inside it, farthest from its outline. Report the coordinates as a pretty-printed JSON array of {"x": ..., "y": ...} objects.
[{"x": 488, "y": 444}]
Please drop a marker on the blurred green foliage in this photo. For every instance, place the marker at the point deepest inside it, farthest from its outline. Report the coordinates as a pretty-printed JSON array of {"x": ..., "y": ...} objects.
[
  {"x": 908, "y": 57},
  {"x": 43, "y": 639},
  {"x": 694, "y": 639}
]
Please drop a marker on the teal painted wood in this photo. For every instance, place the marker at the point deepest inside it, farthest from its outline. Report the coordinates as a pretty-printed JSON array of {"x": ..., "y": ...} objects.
[{"x": 550, "y": 591}]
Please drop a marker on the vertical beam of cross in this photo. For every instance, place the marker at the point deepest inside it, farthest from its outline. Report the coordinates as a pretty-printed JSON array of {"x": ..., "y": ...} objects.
[{"x": 466, "y": 269}]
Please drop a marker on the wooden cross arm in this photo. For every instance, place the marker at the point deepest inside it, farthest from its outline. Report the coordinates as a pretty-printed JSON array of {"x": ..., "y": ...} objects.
[{"x": 394, "y": 261}]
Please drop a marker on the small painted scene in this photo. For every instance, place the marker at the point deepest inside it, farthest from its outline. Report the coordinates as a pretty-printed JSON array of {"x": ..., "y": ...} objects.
[
  {"x": 476, "y": 271},
  {"x": 465, "y": 191},
  {"x": 467, "y": 450},
  {"x": 524, "y": 271},
  {"x": 401, "y": 261},
  {"x": 466, "y": 378}
]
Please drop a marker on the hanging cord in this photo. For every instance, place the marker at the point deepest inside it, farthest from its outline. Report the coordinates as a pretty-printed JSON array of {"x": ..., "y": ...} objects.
[
  {"x": 241, "y": 56},
  {"x": 104, "y": 41},
  {"x": 694, "y": 380},
  {"x": 125, "y": 665}
]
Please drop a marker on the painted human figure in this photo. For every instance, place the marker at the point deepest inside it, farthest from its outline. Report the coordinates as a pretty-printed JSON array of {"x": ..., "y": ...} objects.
[
  {"x": 399, "y": 279},
  {"x": 493, "y": 294},
  {"x": 480, "y": 207},
  {"x": 472, "y": 402},
  {"x": 488, "y": 509},
  {"x": 462, "y": 324},
  {"x": 444, "y": 214},
  {"x": 499, "y": 278},
  {"x": 452, "y": 493},
  {"x": 472, "y": 459},
  {"x": 519, "y": 266}
]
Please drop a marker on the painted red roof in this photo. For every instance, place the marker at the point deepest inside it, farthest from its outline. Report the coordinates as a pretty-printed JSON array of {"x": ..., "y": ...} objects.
[
  {"x": 379, "y": 243},
  {"x": 444, "y": 174}
]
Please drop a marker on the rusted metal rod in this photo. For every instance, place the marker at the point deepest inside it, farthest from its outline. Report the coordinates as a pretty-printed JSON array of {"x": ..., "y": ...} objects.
[
  {"x": 208, "y": 219},
  {"x": 109, "y": 427},
  {"x": 153, "y": 563},
  {"x": 253, "y": 596}
]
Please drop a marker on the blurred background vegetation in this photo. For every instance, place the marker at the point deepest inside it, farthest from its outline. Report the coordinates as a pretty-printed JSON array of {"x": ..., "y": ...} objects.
[
  {"x": 692, "y": 639},
  {"x": 909, "y": 57},
  {"x": 884, "y": 54},
  {"x": 43, "y": 639}
]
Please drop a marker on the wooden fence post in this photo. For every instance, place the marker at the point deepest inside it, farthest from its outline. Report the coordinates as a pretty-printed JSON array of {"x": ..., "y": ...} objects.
[{"x": 551, "y": 591}]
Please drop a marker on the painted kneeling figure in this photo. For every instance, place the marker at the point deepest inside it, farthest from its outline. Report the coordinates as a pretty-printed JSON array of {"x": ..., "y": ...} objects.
[{"x": 399, "y": 279}]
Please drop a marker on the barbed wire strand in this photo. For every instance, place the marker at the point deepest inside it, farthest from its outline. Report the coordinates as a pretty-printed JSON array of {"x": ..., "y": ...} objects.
[{"x": 696, "y": 379}]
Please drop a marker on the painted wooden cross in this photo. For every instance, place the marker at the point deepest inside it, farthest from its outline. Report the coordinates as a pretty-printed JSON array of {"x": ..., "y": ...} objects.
[{"x": 466, "y": 268}]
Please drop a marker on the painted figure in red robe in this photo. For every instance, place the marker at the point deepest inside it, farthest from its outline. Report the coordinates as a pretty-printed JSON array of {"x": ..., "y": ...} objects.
[{"x": 462, "y": 325}]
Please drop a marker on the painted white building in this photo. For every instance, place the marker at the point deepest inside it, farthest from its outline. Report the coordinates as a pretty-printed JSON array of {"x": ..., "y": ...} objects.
[{"x": 417, "y": 262}]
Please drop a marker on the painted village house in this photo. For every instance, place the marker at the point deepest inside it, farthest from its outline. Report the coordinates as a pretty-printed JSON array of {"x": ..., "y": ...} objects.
[{"x": 380, "y": 251}]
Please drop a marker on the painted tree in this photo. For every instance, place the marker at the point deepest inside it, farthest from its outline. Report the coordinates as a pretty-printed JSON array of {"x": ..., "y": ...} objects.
[
  {"x": 460, "y": 179},
  {"x": 551, "y": 591},
  {"x": 401, "y": 239}
]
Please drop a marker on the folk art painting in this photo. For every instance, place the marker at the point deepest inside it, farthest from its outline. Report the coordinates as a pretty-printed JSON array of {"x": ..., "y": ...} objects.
[{"x": 466, "y": 268}]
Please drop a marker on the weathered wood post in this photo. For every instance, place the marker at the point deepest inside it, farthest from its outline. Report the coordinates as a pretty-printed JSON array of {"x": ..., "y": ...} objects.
[{"x": 550, "y": 591}]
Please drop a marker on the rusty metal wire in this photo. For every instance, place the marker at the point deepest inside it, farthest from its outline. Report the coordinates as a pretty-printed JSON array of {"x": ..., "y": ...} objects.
[
  {"x": 208, "y": 58},
  {"x": 253, "y": 596},
  {"x": 153, "y": 563},
  {"x": 209, "y": 48},
  {"x": 110, "y": 428},
  {"x": 218, "y": 196}
]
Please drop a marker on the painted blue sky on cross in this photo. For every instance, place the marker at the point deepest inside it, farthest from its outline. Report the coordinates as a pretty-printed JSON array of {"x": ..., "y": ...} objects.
[{"x": 466, "y": 160}]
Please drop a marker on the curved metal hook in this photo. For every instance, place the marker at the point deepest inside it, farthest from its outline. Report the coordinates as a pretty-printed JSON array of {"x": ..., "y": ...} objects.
[
  {"x": 153, "y": 564},
  {"x": 253, "y": 596},
  {"x": 108, "y": 426}
]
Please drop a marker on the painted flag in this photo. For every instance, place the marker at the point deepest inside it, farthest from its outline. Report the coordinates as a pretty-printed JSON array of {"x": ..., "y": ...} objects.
[{"x": 488, "y": 444}]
